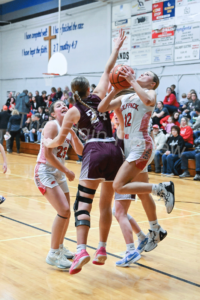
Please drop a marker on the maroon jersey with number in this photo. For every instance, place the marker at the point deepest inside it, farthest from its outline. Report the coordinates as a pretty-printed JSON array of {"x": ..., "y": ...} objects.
[{"x": 101, "y": 127}]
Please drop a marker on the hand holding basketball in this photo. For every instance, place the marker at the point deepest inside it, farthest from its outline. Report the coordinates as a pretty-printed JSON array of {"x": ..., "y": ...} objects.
[
  {"x": 127, "y": 74},
  {"x": 117, "y": 81},
  {"x": 121, "y": 38}
]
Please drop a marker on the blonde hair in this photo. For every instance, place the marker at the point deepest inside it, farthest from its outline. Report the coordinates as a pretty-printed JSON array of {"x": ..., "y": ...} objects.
[{"x": 15, "y": 112}]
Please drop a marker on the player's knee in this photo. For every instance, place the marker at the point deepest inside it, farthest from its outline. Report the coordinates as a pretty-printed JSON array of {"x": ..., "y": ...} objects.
[
  {"x": 65, "y": 212},
  {"x": 117, "y": 187},
  {"x": 84, "y": 217}
]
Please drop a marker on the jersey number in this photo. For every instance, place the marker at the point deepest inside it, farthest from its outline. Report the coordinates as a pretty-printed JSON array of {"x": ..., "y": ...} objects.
[
  {"x": 61, "y": 152},
  {"x": 128, "y": 120}
]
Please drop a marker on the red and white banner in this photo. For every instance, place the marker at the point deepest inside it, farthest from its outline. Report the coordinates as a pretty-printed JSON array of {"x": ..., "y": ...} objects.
[{"x": 163, "y": 37}]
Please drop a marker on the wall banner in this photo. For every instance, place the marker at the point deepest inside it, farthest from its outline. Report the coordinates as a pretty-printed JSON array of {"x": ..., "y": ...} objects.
[
  {"x": 141, "y": 6},
  {"x": 162, "y": 54},
  {"x": 141, "y": 56},
  {"x": 187, "y": 33},
  {"x": 189, "y": 51},
  {"x": 163, "y": 37}
]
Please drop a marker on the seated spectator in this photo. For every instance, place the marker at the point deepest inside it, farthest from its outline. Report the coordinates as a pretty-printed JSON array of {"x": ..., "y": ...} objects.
[
  {"x": 170, "y": 101},
  {"x": 53, "y": 94},
  {"x": 14, "y": 129},
  {"x": 68, "y": 91},
  {"x": 159, "y": 113},
  {"x": 189, "y": 109},
  {"x": 175, "y": 117},
  {"x": 187, "y": 133},
  {"x": 184, "y": 100},
  {"x": 196, "y": 126},
  {"x": 93, "y": 86},
  {"x": 59, "y": 94},
  {"x": 184, "y": 163},
  {"x": 30, "y": 95},
  {"x": 4, "y": 119},
  {"x": 173, "y": 89},
  {"x": 43, "y": 99},
  {"x": 33, "y": 105},
  {"x": 175, "y": 145},
  {"x": 45, "y": 116},
  {"x": 12, "y": 104},
  {"x": 48, "y": 101},
  {"x": 9, "y": 99},
  {"x": 34, "y": 131},
  {"x": 65, "y": 98},
  {"x": 167, "y": 126},
  {"x": 160, "y": 139}
]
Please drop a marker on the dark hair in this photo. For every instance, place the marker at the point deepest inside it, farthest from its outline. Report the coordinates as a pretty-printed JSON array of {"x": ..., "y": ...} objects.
[
  {"x": 175, "y": 127},
  {"x": 173, "y": 120},
  {"x": 25, "y": 91},
  {"x": 53, "y": 89},
  {"x": 161, "y": 103},
  {"x": 156, "y": 80},
  {"x": 79, "y": 87},
  {"x": 51, "y": 108},
  {"x": 173, "y": 85},
  {"x": 175, "y": 112},
  {"x": 168, "y": 88},
  {"x": 44, "y": 92},
  {"x": 93, "y": 85},
  {"x": 41, "y": 109}
]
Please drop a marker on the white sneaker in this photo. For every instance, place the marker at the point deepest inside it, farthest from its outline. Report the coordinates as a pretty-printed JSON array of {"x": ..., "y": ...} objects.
[
  {"x": 154, "y": 237},
  {"x": 170, "y": 175},
  {"x": 59, "y": 260},
  {"x": 166, "y": 192},
  {"x": 67, "y": 253}
]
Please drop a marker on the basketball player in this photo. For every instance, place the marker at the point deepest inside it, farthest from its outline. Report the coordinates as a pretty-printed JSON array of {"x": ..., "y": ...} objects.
[
  {"x": 2, "y": 199},
  {"x": 50, "y": 178},
  {"x": 132, "y": 177},
  {"x": 101, "y": 160}
]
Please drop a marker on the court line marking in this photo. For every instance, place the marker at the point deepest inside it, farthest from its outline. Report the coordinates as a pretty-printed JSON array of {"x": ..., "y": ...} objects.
[
  {"x": 24, "y": 237},
  {"x": 111, "y": 254}
]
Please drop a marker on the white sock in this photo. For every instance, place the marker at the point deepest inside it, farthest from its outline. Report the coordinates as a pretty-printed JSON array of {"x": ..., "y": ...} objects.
[
  {"x": 154, "y": 225},
  {"x": 141, "y": 236},
  {"x": 155, "y": 189},
  {"x": 130, "y": 247},
  {"x": 80, "y": 247},
  {"x": 61, "y": 246},
  {"x": 53, "y": 251},
  {"x": 101, "y": 244}
]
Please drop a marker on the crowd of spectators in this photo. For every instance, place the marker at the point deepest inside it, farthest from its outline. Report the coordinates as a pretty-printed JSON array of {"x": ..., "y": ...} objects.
[
  {"x": 176, "y": 130},
  {"x": 175, "y": 125}
]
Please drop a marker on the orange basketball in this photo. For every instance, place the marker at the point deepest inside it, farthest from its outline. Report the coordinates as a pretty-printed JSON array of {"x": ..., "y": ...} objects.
[{"x": 117, "y": 81}]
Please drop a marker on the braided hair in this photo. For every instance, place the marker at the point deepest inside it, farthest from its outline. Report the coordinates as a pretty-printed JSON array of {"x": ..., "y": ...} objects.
[{"x": 79, "y": 86}]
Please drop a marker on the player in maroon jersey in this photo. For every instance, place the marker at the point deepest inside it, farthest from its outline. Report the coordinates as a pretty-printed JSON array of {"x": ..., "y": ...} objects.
[{"x": 101, "y": 160}]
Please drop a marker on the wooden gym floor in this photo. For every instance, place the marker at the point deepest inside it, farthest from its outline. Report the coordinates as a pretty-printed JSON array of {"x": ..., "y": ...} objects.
[{"x": 171, "y": 271}]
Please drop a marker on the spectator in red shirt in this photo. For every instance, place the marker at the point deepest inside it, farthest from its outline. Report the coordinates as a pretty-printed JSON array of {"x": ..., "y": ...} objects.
[
  {"x": 53, "y": 94},
  {"x": 170, "y": 101},
  {"x": 187, "y": 133},
  {"x": 175, "y": 117}
]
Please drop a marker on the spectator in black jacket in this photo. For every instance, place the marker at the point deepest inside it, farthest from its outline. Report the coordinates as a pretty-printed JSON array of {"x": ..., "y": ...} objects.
[
  {"x": 9, "y": 99},
  {"x": 175, "y": 145},
  {"x": 14, "y": 129},
  {"x": 4, "y": 118},
  {"x": 59, "y": 93},
  {"x": 39, "y": 99}
]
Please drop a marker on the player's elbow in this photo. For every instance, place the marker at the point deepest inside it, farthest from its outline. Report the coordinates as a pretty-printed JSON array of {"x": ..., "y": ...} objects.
[{"x": 101, "y": 109}]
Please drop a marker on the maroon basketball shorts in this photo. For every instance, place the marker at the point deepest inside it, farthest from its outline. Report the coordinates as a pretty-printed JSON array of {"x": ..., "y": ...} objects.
[{"x": 101, "y": 160}]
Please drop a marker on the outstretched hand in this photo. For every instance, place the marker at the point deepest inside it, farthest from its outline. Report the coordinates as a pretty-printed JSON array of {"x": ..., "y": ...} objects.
[
  {"x": 120, "y": 40},
  {"x": 127, "y": 74}
]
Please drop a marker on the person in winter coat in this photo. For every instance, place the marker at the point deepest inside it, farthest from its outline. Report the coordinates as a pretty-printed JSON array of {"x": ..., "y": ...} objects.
[
  {"x": 189, "y": 108},
  {"x": 160, "y": 139},
  {"x": 175, "y": 145},
  {"x": 187, "y": 133},
  {"x": 196, "y": 126},
  {"x": 170, "y": 101},
  {"x": 14, "y": 128}
]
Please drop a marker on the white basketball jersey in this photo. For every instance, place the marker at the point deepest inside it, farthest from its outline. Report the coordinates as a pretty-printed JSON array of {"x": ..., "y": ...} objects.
[
  {"x": 136, "y": 120},
  {"x": 59, "y": 152}
]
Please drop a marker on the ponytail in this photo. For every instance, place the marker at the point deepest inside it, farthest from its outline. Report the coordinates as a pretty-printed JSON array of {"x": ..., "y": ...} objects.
[{"x": 78, "y": 98}]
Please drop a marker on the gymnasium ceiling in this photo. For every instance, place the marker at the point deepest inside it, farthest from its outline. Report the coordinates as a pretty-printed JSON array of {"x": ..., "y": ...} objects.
[{"x": 18, "y": 10}]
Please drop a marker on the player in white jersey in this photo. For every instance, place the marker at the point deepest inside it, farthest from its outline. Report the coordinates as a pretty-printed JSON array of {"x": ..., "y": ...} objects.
[
  {"x": 50, "y": 178},
  {"x": 132, "y": 177}
]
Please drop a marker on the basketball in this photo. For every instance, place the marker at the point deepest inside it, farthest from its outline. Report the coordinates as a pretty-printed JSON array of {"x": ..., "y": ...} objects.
[{"x": 117, "y": 81}]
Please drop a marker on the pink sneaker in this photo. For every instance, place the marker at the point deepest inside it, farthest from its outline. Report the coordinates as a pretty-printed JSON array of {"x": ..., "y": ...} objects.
[
  {"x": 80, "y": 260},
  {"x": 100, "y": 257}
]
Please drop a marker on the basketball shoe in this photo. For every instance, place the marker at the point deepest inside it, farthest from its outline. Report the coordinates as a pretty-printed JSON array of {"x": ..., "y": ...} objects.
[
  {"x": 58, "y": 259},
  {"x": 141, "y": 245},
  {"x": 128, "y": 259},
  {"x": 2, "y": 199},
  {"x": 100, "y": 256},
  {"x": 80, "y": 260},
  {"x": 166, "y": 191},
  {"x": 154, "y": 237},
  {"x": 67, "y": 253}
]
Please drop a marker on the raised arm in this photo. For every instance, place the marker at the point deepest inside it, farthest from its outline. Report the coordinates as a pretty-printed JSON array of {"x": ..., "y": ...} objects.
[
  {"x": 103, "y": 84},
  {"x": 149, "y": 98},
  {"x": 72, "y": 117},
  {"x": 108, "y": 103}
]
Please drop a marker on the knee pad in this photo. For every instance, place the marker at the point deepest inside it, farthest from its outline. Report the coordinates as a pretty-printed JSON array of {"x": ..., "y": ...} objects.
[{"x": 85, "y": 200}]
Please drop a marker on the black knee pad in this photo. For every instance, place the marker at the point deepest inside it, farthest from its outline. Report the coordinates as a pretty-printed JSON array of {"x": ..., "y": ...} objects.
[{"x": 85, "y": 200}]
